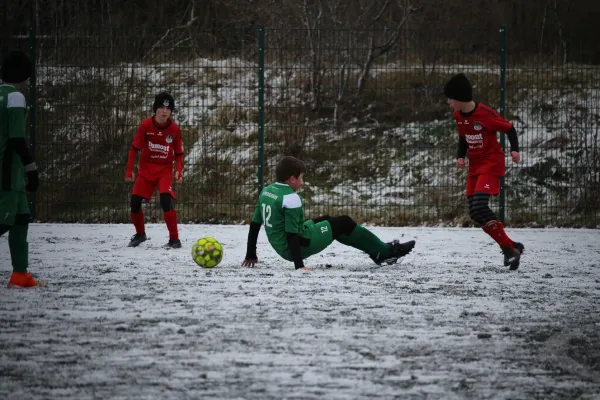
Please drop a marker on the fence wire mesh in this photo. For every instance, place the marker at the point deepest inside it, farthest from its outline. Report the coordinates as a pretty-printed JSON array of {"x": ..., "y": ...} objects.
[{"x": 364, "y": 109}]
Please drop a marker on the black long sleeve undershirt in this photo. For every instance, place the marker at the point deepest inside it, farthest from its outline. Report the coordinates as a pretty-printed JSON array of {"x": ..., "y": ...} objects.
[
  {"x": 513, "y": 139},
  {"x": 462, "y": 147},
  {"x": 19, "y": 146},
  {"x": 294, "y": 243},
  {"x": 252, "y": 239}
]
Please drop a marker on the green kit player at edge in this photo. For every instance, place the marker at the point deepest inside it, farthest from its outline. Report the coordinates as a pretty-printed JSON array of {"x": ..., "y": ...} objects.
[
  {"x": 281, "y": 211},
  {"x": 15, "y": 163}
]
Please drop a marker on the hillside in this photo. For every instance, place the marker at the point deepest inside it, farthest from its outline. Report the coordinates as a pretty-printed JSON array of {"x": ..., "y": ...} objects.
[{"x": 388, "y": 160}]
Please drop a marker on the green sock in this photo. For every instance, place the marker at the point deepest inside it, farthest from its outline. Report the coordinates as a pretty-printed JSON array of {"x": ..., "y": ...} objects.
[
  {"x": 19, "y": 248},
  {"x": 363, "y": 239}
]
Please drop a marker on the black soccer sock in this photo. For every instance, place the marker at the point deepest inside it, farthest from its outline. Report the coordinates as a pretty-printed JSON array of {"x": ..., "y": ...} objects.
[{"x": 479, "y": 209}]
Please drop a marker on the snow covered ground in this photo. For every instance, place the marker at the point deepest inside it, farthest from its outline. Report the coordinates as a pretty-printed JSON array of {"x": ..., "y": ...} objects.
[{"x": 449, "y": 322}]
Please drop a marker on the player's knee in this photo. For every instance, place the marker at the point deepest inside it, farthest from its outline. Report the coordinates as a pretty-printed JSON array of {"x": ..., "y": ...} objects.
[
  {"x": 166, "y": 202},
  {"x": 136, "y": 203},
  {"x": 479, "y": 209},
  {"x": 342, "y": 225}
]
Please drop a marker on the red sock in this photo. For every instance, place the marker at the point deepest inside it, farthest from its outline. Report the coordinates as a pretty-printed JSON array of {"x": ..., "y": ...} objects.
[
  {"x": 138, "y": 221},
  {"x": 171, "y": 221},
  {"x": 496, "y": 230}
]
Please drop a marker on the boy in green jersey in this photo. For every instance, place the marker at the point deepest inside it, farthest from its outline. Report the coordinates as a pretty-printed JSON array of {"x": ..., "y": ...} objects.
[
  {"x": 281, "y": 211},
  {"x": 15, "y": 163}
]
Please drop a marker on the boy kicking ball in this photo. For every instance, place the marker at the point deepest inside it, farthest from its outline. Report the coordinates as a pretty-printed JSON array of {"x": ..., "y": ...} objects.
[{"x": 281, "y": 211}]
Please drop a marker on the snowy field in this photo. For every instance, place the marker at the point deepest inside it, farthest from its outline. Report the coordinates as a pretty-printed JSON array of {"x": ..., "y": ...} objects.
[{"x": 449, "y": 322}]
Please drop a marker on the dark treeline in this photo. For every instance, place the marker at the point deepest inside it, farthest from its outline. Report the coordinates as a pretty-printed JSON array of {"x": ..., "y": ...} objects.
[{"x": 562, "y": 29}]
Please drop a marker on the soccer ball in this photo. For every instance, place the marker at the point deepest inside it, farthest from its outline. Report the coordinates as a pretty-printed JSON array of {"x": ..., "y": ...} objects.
[{"x": 207, "y": 252}]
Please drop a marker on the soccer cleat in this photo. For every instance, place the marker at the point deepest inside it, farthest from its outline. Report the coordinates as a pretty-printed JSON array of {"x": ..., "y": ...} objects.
[
  {"x": 397, "y": 251},
  {"x": 23, "y": 280},
  {"x": 137, "y": 239},
  {"x": 402, "y": 249},
  {"x": 174, "y": 244},
  {"x": 512, "y": 257}
]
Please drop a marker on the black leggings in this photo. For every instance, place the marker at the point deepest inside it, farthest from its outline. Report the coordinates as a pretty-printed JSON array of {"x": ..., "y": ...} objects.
[
  {"x": 479, "y": 209},
  {"x": 341, "y": 225},
  {"x": 165, "y": 202}
]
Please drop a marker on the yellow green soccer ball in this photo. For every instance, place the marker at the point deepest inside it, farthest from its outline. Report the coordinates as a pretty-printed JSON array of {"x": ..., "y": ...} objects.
[{"x": 207, "y": 252}]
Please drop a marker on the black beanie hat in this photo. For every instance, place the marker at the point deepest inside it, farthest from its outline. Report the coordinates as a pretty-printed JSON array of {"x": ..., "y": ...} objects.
[
  {"x": 16, "y": 67},
  {"x": 163, "y": 99},
  {"x": 459, "y": 88}
]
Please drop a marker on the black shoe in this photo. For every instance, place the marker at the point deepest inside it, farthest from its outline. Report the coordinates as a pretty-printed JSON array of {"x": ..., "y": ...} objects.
[
  {"x": 397, "y": 251},
  {"x": 137, "y": 239},
  {"x": 512, "y": 257},
  {"x": 402, "y": 249},
  {"x": 174, "y": 244}
]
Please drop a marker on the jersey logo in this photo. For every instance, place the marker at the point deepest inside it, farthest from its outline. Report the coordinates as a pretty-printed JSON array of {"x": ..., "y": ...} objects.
[
  {"x": 169, "y": 139},
  {"x": 477, "y": 126}
]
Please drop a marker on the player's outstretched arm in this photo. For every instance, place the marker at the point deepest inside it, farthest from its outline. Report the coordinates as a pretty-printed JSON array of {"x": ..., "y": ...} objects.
[{"x": 251, "y": 259}]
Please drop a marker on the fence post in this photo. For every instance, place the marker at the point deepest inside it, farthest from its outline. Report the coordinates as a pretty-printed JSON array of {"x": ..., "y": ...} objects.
[
  {"x": 32, "y": 102},
  {"x": 261, "y": 106},
  {"x": 502, "y": 197}
]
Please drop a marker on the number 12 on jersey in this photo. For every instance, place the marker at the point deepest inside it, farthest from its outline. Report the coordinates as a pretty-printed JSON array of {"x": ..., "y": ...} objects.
[{"x": 266, "y": 214}]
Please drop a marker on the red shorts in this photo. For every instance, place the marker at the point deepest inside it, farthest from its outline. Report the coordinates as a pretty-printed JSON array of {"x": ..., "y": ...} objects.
[
  {"x": 146, "y": 182},
  {"x": 485, "y": 183}
]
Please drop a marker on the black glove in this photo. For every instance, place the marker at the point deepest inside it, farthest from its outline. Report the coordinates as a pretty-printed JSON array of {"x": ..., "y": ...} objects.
[{"x": 32, "y": 181}]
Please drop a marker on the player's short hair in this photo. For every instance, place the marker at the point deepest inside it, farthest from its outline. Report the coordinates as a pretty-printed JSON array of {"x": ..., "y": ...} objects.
[{"x": 287, "y": 167}]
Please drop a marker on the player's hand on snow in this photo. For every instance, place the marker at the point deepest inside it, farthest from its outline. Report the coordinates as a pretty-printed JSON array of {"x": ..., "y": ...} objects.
[
  {"x": 129, "y": 177},
  {"x": 178, "y": 176},
  {"x": 460, "y": 163},
  {"x": 516, "y": 157},
  {"x": 304, "y": 269},
  {"x": 250, "y": 262}
]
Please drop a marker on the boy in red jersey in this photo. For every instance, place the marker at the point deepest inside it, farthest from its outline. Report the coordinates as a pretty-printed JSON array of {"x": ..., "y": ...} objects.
[
  {"x": 477, "y": 126},
  {"x": 159, "y": 140}
]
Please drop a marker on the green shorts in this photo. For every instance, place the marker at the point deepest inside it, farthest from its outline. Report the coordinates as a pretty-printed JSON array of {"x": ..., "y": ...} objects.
[
  {"x": 320, "y": 236},
  {"x": 12, "y": 204}
]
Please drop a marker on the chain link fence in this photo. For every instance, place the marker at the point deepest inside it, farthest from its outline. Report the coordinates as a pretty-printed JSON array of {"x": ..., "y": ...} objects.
[{"x": 363, "y": 108}]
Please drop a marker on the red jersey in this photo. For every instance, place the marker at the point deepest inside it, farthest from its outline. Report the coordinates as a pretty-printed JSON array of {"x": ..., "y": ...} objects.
[
  {"x": 160, "y": 144},
  {"x": 479, "y": 128}
]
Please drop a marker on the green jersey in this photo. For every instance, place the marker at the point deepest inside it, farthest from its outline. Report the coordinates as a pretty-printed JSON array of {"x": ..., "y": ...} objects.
[
  {"x": 280, "y": 210},
  {"x": 12, "y": 125}
]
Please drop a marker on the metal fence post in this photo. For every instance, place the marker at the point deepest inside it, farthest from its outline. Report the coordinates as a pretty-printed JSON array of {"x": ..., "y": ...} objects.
[
  {"x": 32, "y": 103},
  {"x": 502, "y": 197},
  {"x": 261, "y": 106}
]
